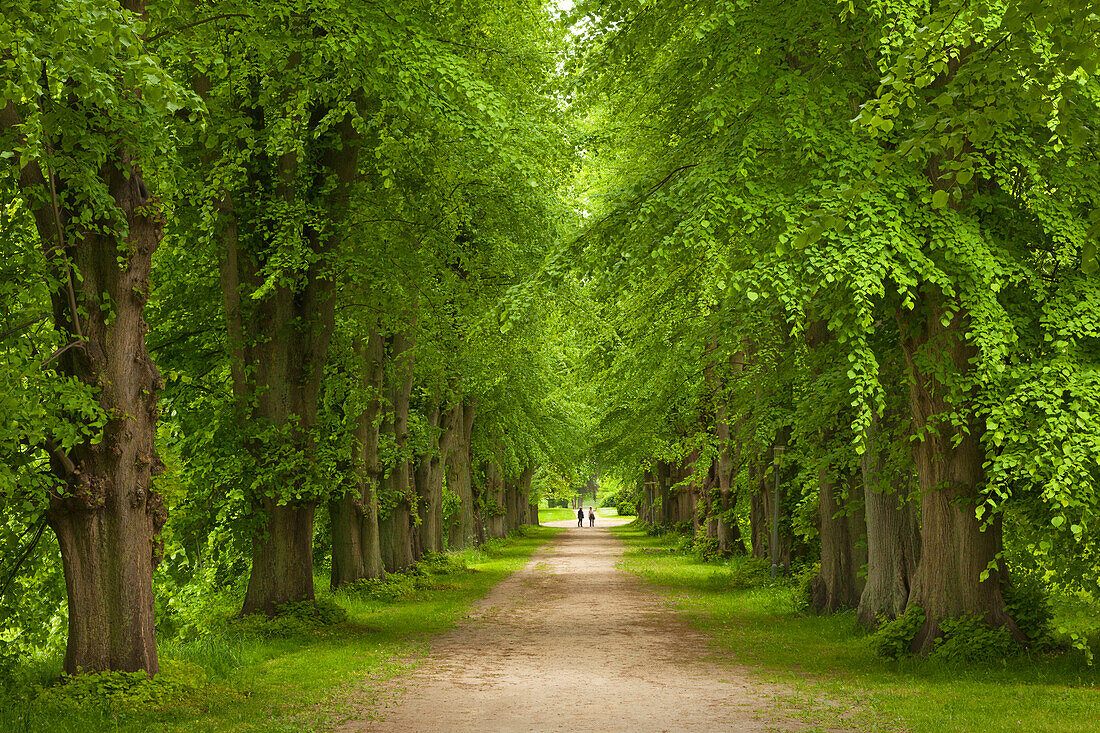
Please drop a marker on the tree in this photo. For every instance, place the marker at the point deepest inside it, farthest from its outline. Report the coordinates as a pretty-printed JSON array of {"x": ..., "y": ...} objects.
[{"x": 86, "y": 128}]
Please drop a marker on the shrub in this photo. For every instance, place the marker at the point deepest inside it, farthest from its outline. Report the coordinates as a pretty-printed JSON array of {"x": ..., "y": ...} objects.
[
  {"x": 706, "y": 548},
  {"x": 394, "y": 587},
  {"x": 442, "y": 564},
  {"x": 177, "y": 682},
  {"x": 970, "y": 639},
  {"x": 292, "y": 619},
  {"x": 1028, "y": 602},
  {"x": 625, "y": 501},
  {"x": 749, "y": 572},
  {"x": 803, "y": 586},
  {"x": 893, "y": 638}
]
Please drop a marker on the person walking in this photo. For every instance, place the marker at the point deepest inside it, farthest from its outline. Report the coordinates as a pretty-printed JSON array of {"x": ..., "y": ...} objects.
[
  {"x": 580, "y": 516},
  {"x": 591, "y": 517}
]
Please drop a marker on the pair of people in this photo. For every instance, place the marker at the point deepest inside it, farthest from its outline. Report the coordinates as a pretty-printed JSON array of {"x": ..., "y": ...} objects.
[{"x": 591, "y": 517}]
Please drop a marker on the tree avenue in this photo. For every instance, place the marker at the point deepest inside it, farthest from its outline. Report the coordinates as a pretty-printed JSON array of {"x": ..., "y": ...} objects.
[
  {"x": 317, "y": 289},
  {"x": 857, "y": 233}
]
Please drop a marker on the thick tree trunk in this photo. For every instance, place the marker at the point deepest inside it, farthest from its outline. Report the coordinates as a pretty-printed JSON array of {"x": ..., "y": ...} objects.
[
  {"x": 282, "y": 559},
  {"x": 289, "y": 331},
  {"x": 523, "y": 498},
  {"x": 288, "y": 367},
  {"x": 892, "y": 539},
  {"x": 429, "y": 484},
  {"x": 494, "y": 500},
  {"x": 463, "y": 531},
  {"x": 356, "y": 552},
  {"x": 955, "y": 550},
  {"x": 836, "y": 587},
  {"x": 107, "y": 517},
  {"x": 395, "y": 524}
]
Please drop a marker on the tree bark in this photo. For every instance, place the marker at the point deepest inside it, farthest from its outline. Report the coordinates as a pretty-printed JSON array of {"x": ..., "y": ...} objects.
[
  {"x": 289, "y": 333},
  {"x": 523, "y": 498},
  {"x": 429, "y": 484},
  {"x": 836, "y": 587},
  {"x": 758, "y": 511},
  {"x": 955, "y": 549},
  {"x": 493, "y": 500},
  {"x": 463, "y": 530},
  {"x": 356, "y": 552},
  {"x": 892, "y": 539},
  {"x": 395, "y": 524},
  {"x": 107, "y": 517}
]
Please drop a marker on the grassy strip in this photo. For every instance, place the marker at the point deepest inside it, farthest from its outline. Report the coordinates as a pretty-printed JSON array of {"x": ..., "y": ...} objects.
[
  {"x": 297, "y": 682},
  {"x": 838, "y": 682},
  {"x": 561, "y": 514}
]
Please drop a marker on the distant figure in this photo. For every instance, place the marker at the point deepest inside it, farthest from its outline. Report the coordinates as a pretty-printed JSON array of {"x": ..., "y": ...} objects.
[
  {"x": 580, "y": 516},
  {"x": 591, "y": 517}
]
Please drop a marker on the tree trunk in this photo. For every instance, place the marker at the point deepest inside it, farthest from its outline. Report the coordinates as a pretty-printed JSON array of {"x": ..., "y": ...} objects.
[
  {"x": 429, "y": 484},
  {"x": 835, "y": 587},
  {"x": 463, "y": 530},
  {"x": 356, "y": 552},
  {"x": 955, "y": 551},
  {"x": 289, "y": 332},
  {"x": 494, "y": 500},
  {"x": 107, "y": 517},
  {"x": 282, "y": 559},
  {"x": 523, "y": 498},
  {"x": 758, "y": 512},
  {"x": 395, "y": 524},
  {"x": 892, "y": 539},
  {"x": 477, "y": 490}
]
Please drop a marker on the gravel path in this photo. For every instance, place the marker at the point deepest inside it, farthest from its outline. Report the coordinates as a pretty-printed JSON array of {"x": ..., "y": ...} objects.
[{"x": 572, "y": 643}]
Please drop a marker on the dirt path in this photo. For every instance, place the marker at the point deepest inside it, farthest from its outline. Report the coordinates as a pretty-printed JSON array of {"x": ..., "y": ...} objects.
[{"x": 571, "y": 643}]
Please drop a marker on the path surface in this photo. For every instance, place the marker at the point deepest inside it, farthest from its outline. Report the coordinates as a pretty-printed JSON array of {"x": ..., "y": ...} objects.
[{"x": 571, "y": 643}]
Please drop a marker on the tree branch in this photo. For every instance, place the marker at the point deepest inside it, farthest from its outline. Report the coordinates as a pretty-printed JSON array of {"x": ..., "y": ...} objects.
[{"x": 181, "y": 29}]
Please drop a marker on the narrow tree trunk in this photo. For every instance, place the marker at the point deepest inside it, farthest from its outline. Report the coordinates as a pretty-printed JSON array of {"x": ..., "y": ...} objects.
[
  {"x": 478, "y": 491},
  {"x": 955, "y": 550},
  {"x": 758, "y": 512},
  {"x": 429, "y": 484},
  {"x": 523, "y": 498}
]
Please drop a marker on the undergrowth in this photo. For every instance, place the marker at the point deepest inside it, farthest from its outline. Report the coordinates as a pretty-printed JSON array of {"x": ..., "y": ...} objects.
[
  {"x": 836, "y": 679},
  {"x": 281, "y": 674}
]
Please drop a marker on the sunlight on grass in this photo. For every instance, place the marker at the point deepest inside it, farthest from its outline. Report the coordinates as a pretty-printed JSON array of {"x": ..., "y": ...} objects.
[
  {"x": 300, "y": 682},
  {"x": 826, "y": 658}
]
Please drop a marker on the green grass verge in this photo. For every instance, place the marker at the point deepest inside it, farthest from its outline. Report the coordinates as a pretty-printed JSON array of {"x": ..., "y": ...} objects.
[
  {"x": 835, "y": 679},
  {"x": 295, "y": 683},
  {"x": 562, "y": 514}
]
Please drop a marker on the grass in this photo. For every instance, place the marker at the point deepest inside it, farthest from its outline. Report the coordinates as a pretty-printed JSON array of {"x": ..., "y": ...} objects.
[
  {"x": 562, "y": 514},
  {"x": 828, "y": 667},
  {"x": 300, "y": 682}
]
